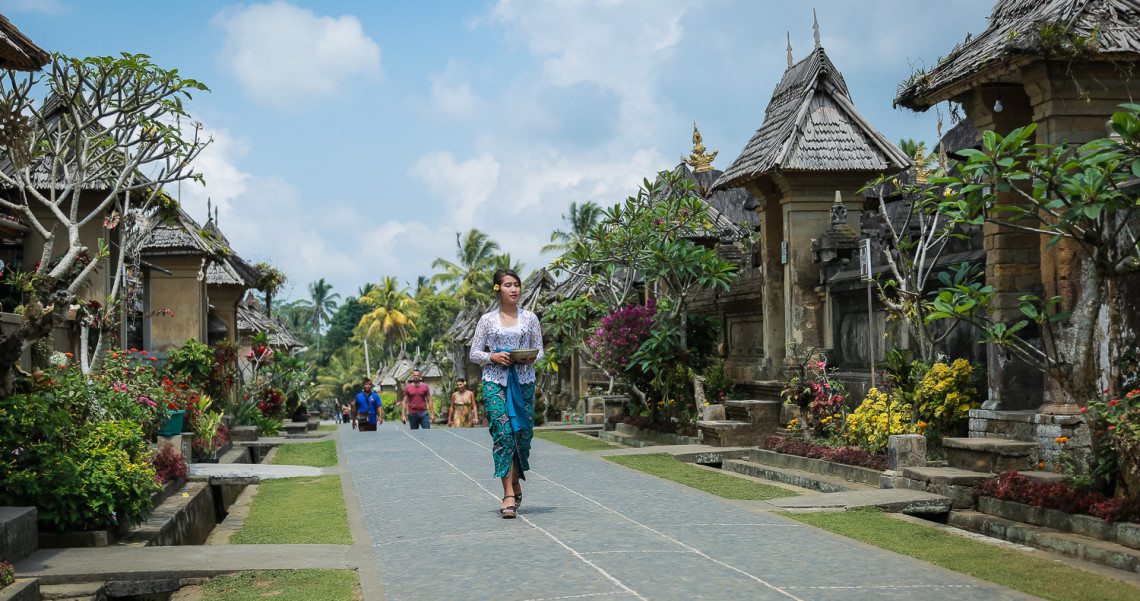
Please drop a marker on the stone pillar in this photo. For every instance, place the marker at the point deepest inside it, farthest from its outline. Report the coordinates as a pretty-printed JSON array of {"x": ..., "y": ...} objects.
[
  {"x": 1012, "y": 261},
  {"x": 906, "y": 450}
]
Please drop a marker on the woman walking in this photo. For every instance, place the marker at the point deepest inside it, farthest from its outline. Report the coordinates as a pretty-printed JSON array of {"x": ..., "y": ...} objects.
[
  {"x": 508, "y": 383},
  {"x": 463, "y": 412}
]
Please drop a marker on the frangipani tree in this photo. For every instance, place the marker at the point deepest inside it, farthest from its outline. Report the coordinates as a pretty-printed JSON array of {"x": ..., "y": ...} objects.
[{"x": 112, "y": 133}]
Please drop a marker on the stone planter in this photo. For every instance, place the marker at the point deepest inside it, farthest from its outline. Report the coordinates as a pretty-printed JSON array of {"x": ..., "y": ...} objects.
[
  {"x": 23, "y": 589},
  {"x": 852, "y": 473},
  {"x": 1125, "y": 534}
]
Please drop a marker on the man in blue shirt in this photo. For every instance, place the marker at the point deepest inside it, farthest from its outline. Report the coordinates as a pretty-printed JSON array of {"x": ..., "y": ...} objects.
[{"x": 367, "y": 402}]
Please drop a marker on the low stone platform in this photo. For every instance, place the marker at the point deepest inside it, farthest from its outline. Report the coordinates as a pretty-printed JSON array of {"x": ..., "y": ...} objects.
[
  {"x": 794, "y": 477},
  {"x": 954, "y": 483},
  {"x": 890, "y": 500},
  {"x": 23, "y": 589},
  {"x": 1072, "y": 545},
  {"x": 990, "y": 454}
]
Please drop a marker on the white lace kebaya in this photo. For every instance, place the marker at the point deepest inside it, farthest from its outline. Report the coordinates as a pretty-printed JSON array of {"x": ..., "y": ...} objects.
[{"x": 492, "y": 334}]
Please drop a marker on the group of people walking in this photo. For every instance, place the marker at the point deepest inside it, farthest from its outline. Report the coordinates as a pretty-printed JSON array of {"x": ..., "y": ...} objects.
[{"x": 507, "y": 342}]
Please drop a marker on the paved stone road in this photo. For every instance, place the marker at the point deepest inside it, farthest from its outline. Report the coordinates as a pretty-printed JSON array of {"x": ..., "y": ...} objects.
[{"x": 590, "y": 529}]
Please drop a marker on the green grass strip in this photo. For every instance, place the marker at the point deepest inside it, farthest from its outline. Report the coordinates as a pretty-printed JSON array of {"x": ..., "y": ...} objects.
[
  {"x": 666, "y": 466},
  {"x": 311, "y": 454},
  {"x": 999, "y": 565},
  {"x": 296, "y": 511},
  {"x": 327, "y": 427},
  {"x": 284, "y": 585},
  {"x": 574, "y": 441}
]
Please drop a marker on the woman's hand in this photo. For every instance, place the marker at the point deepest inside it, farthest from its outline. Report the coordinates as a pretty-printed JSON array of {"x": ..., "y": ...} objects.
[{"x": 502, "y": 358}]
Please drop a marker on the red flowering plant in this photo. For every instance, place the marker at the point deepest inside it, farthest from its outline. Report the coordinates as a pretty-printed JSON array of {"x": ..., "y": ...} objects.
[
  {"x": 818, "y": 395},
  {"x": 620, "y": 336},
  {"x": 124, "y": 386},
  {"x": 1117, "y": 423},
  {"x": 169, "y": 465},
  {"x": 1011, "y": 486},
  {"x": 846, "y": 455},
  {"x": 275, "y": 384}
]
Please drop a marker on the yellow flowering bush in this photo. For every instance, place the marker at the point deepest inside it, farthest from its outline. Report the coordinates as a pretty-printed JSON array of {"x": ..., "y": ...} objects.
[
  {"x": 868, "y": 427},
  {"x": 946, "y": 394}
]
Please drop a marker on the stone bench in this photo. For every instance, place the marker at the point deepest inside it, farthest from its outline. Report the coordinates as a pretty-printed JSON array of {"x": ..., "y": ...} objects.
[
  {"x": 294, "y": 428},
  {"x": 993, "y": 455},
  {"x": 745, "y": 423}
]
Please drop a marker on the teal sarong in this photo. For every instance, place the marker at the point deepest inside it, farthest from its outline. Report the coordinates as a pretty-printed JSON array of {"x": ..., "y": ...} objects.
[{"x": 516, "y": 408}]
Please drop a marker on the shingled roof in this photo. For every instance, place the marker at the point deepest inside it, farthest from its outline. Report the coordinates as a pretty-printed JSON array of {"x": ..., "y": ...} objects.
[
  {"x": 721, "y": 226},
  {"x": 812, "y": 125},
  {"x": 17, "y": 51},
  {"x": 252, "y": 319},
  {"x": 1013, "y": 39}
]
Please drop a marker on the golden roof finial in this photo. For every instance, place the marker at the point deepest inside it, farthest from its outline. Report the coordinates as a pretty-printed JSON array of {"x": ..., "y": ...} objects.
[{"x": 698, "y": 160}]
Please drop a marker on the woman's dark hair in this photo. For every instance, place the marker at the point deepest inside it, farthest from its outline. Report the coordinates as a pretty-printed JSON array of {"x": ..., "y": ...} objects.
[
  {"x": 458, "y": 380},
  {"x": 502, "y": 273}
]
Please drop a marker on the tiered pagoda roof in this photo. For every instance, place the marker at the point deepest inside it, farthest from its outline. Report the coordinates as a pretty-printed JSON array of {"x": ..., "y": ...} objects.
[
  {"x": 251, "y": 319},
  {"x": 811, "y": 125}
]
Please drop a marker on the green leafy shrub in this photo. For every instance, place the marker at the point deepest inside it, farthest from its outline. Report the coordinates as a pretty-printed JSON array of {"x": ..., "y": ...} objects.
[
  {"x": 79, "y": 476},
  {"x": 879, "y": 416}
]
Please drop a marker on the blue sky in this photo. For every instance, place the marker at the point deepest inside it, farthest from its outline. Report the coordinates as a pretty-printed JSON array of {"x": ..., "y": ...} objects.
[{"x": 352, "y": 140}]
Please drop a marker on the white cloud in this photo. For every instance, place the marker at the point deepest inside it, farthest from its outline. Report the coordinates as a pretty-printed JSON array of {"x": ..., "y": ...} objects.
[
  {"x": 451, "y": 95},
  {"x": 464, "y": 187},
  {"x": 289, "y": 57},
  {"x": 616, "y": 45}
]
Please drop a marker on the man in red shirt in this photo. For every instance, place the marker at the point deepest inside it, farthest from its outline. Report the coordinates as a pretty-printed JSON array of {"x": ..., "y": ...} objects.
[{"x": 417, "y": 403}]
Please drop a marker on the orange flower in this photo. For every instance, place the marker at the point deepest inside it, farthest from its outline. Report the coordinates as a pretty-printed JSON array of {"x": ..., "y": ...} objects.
[
  {"x": 1039, "y": 464},
  {"x": 1061, "y": 440}
]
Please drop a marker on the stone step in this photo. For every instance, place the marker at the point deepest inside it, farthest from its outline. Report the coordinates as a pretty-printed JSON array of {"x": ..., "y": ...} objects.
[
  {"x": 626, "y": 439},
  {"x": 951, "y": 482},
  {"x": 1079, "y": 546},
  {"x": 76, "y": 590},
  {"x": 800, "y": 478},
  {"x": 990, "y": 455},
  {"x": 730, "y": 433},
  {"x": 909, "y": 502},
  {"x": 19, "y": 536}
]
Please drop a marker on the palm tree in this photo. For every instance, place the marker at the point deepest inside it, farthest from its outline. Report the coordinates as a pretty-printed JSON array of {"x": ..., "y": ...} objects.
[
  {"x": 916, "y": 151},
  {"x": 503, "y": 261},
  {"x": 392, "y": 313},
  {"x": 365, "y": 289},
  {"x": 339, "y": 379},
  {"x": 423, "y": 286},
  {"x": 320, "y": 306},
  {"x": 580, "y": 220},
  {"x": 474, "y": 253}
]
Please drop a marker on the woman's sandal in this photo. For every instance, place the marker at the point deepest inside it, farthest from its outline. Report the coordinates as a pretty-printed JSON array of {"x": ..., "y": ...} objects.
[
  {"x": 508, "y": 512},
  {"x": 518, "y": 496}
]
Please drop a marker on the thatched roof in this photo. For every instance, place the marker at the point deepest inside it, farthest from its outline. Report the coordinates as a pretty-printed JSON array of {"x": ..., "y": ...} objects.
[
  {"x": 721, "y": 226},
  {"x": 960, "y": 137},
  {"x": 17, "y": 51},
  {"x": 251, "y": 319},
  {"x": 180, "y": 234},
  {"x": 1014, "y": 39},
  {"x": 812, "y": 125},
  {"x": 40, "y": 169}
]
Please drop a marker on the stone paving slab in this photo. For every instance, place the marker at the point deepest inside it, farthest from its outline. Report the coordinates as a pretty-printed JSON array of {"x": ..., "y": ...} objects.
[
  {"x": 55, "y": 566},
  {"x": 888, "y": 499},
  {"x": 257, "y": 471},
  {"x": 589, "y": 528}
]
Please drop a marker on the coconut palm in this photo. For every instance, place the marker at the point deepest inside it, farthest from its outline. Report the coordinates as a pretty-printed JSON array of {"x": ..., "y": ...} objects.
[
  {"x": 339, "y": 379},
  {"x": 365, "y": 289},
  {"x": 474, "y": 252},
  {"x": 392, "y": 313},
  {"x": 423, "y": 286},
  {"x": 319, "y": 306},
  {"x": 579, "y": 221},
  {"x": 916, "y": 151},
  {"x": 503, "y": 261}
]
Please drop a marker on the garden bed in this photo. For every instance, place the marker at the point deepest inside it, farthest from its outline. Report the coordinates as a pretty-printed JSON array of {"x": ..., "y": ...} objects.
[{"x": 1126, "y": 534}]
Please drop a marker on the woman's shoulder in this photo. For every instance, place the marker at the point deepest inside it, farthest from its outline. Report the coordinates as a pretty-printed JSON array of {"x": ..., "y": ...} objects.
[
  {"x": 527, "y": 314},
  {"x": 489, "y": 315}
]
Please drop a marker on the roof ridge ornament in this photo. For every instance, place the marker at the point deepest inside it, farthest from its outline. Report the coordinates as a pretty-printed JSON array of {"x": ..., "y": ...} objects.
[
  {"x": 698, "y": 159},
  {"x": 790, "y": 50},
  {"x": 815, "y": 26},
  {"x": 838, "y": 210}
]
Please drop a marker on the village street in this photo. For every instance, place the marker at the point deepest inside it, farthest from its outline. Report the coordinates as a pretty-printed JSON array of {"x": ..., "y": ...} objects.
[{"x": 589, "y": 528}]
